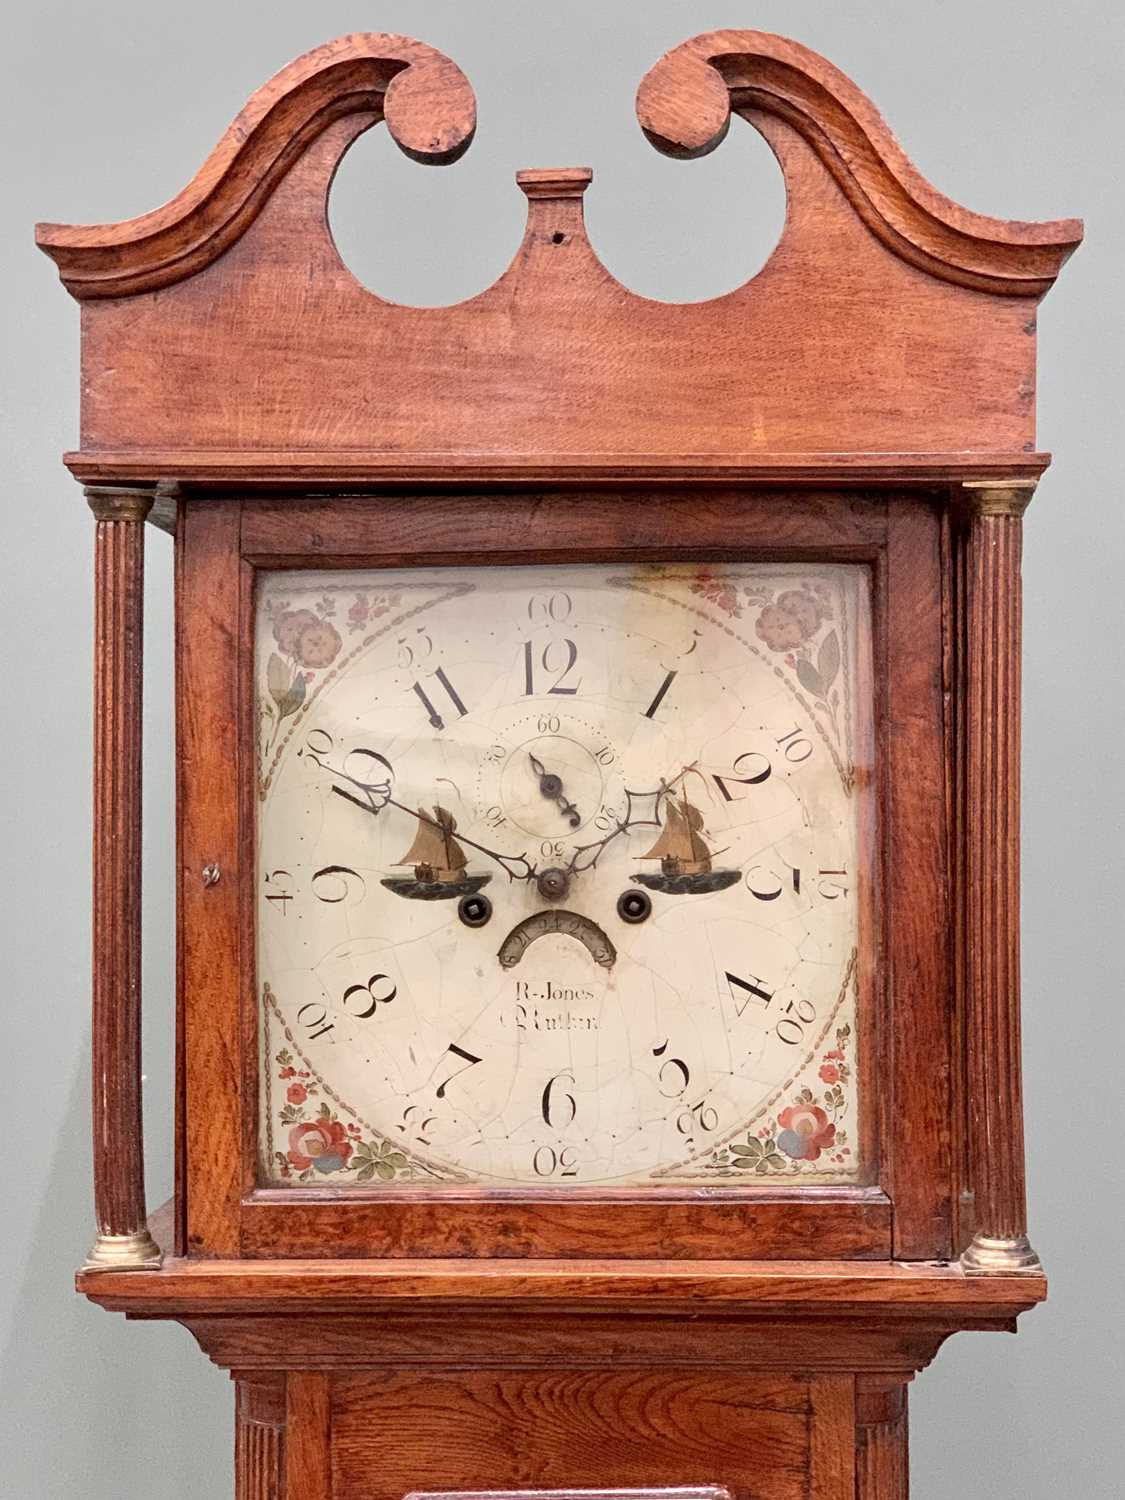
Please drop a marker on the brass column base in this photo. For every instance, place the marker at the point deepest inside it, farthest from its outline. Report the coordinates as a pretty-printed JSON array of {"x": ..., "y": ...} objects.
[
  {"x": 989, "y": 1256},
  {"x": 124, "y": 1252}
]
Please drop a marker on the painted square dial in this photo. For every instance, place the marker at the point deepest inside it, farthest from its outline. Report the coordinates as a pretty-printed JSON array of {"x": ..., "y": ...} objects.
[{"x": 561, "y": 874}]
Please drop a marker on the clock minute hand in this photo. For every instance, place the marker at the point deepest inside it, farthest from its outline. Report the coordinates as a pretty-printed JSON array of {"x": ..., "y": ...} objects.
[
  {"x": 377, "y": 796},
  {"x": 594, "y": 851}
]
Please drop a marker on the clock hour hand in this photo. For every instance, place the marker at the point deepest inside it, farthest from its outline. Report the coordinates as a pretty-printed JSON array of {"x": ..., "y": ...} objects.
[{"x": 551, "y": 787}]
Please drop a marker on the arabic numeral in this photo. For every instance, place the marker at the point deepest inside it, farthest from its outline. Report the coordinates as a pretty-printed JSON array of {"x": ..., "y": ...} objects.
[
  {"x": 411, "y": 652},
  {"x": 551, "y": 1162},
  {"x": 796, "y": 746},
  {"x": 674, "y": 1075},
  {"x": 557, "y": 1101},
  {"x": 314, "y": 1018},
  {"x": 762, "y": 770},
  {"x": 451, "y": 693},
  {"x": 764, "y": 885},
  {"x": 550, "y": 609},
  {"x": 374, "y": 991},
  {"x": 750, "y": 991},
  {"x": 494, "y": 817},
  {"x": 550, "y": 657},
  {"x": 799, "y": 1013},
  {"x": 332, "y": 884},
  {"x": 469, "y": 1060},
  {"x": 607, "y": 819},
  {"x": 701, "y": 1116},
  {"x": 280, "y": 894}
]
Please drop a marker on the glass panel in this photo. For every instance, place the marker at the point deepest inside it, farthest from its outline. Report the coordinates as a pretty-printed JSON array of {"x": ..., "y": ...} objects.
[{"x": 559, "y": 874}]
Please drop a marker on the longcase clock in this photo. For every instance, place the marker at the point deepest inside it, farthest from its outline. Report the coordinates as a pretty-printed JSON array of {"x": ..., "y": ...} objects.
[{"x": 598, "y": 747}]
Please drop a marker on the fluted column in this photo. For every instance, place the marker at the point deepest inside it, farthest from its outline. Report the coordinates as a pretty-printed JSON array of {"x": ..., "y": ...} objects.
[
  {"x": 991, "y": 830},
  {"x": 259, "y": 1443},
  {"x": 123, "y": 1241},
  {"x": 882, "y": 1460}
]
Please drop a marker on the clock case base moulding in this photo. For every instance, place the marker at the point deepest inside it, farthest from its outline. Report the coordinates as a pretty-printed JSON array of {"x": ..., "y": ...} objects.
[{"x": 558, "y": 383}]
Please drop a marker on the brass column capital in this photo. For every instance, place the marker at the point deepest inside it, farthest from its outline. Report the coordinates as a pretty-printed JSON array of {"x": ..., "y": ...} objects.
[
  {"x": 116, "y": 503},
  {"x": 997, "y": 497}
]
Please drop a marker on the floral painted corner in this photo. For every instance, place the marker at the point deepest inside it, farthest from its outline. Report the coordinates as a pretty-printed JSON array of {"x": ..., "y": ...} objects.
[
  {"x": 320, "y": 1143},
  {"x": 807, "y": 1130},
  {"x": 797, "y": 624},
  {"x": 307, "y": 642}
]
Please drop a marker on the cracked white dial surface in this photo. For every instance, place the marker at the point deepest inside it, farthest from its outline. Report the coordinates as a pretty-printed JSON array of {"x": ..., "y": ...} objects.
[{"x": 431, "y": 743}]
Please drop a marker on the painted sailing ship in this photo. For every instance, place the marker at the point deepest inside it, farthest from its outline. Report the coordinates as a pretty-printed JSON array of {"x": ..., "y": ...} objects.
[
  {"x": 438, "y": 861},
  {"x": 684, "y": 855}
]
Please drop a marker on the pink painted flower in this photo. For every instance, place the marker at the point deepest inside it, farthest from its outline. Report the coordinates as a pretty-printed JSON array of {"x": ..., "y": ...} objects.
[
  {"x": 719, "y": 593},
  {"x": 359, "y": 612},
  {"x": 297, "y": 1093},
  {"x": 288, "y": 626},
  {"x": 287, "y": 1073},
  {"x": 804, "y": 609},
  {"x": 323, "y": 1144},
  {"x": 318, "y": 644},
  {"x": 829, "y": 1073},
  {"x": 805, "y": 1132},
  {"x": 780, "y": 630}
]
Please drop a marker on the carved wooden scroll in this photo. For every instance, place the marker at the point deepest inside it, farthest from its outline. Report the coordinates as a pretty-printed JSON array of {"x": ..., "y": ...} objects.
[{"x": 890, "y": 333}]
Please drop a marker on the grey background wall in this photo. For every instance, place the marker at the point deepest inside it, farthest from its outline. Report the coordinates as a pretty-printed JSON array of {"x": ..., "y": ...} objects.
[{"x": 1011, "y": 108}]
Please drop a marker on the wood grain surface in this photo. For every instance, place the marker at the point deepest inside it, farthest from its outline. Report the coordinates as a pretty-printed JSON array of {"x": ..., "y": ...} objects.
[
  {"x": 833, "y": 407},
  {"x": 887, "y": 321},
  {"x": 118, "y": 1150}
]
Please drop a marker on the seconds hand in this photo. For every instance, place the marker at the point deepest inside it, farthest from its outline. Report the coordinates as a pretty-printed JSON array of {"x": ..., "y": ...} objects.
[{"x": 551, "y": 787}]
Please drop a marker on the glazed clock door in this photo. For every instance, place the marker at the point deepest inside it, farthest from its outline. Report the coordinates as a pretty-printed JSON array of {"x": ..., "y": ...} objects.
[
  {"x": 558, "y": 874},
  {"x": 562, "y": 924}
]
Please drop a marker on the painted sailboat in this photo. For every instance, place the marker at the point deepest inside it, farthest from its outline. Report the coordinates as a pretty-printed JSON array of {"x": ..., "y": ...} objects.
[
  {"x": 685, "y": 857},
  {"x": 438, "y": 862}
]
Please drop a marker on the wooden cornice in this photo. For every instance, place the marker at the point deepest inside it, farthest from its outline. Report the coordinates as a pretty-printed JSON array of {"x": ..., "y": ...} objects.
[
  {"x": 684, "y": 105},
  {"x": 425, "y": 99},
  {"x": 743, "y": 1288},
  {"x": 351, "y": 472}
]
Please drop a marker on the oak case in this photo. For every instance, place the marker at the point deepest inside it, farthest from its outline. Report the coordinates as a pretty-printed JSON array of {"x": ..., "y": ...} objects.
[
  {"x": 868, "y": 398},
  {"x": 900, "y": 540}
]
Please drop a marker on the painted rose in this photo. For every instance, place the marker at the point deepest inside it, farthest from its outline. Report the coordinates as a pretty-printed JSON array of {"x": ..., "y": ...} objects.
[
  {"x": 829, "y": 1073},
  {"x": 790, "y": 621},
  {"x": 323, "y": 1144},
  {"x": 804, "y": 608},
  {"x": 296, "y": 1093},
  {"x": 288, "y": 627},
  {"x": 718, "y": 593},
  {"x": 805, "y": 1132},
  {"x": 780, "y": 630},
  {"x": 359, "y": 613},
  {"x": 318, "y": 644}
]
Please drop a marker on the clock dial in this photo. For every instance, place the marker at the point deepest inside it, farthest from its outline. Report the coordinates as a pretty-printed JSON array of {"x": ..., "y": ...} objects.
[{"x": 559, "y": 874}]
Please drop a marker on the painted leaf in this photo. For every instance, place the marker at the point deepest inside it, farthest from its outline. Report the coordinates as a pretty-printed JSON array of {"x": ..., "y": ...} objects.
[
  {"x": 809, "y": 678},
  {"x": 828, "y": 659},
  {"x": 277, "y": 679},
  {"x": 293, "y": 698}
]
